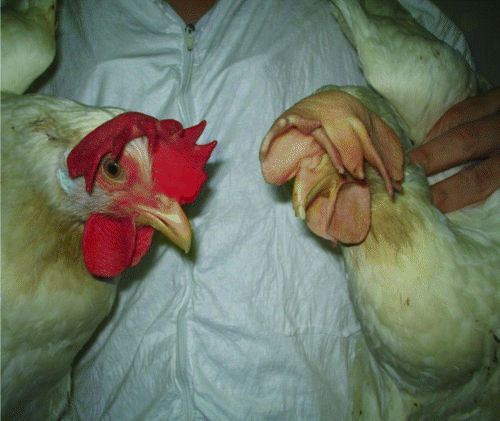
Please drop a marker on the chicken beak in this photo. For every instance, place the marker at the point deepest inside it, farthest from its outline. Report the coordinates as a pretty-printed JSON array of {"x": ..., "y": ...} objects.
[{"x": 168, "y": 218}]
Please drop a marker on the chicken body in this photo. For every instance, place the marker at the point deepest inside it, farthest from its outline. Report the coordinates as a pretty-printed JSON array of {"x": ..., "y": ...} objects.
[
  {"x": 28, "y": 42},
  {"x": 425, "y": 287},
  {"x": 60, "y": 237},
  {"x": 398, "y": 57},
  {"x": 427, "y": 292},
  {"x": 51, "y": 304},
  {"x": 434, "y": 330},
  {"x": 83, "y": 189}
]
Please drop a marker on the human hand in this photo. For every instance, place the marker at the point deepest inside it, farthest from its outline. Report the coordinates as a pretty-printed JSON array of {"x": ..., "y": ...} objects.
[{"x": 468, "y": 131}]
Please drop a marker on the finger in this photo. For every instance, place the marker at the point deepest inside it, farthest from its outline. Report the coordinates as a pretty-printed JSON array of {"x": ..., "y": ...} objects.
[
  {"x": 468, "y": 141},
  {"x": 471, "y": 185},
  {"x": 471, "y": 109}
]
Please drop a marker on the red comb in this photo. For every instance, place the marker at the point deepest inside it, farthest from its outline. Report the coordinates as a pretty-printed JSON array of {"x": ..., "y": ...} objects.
[{"x": 178, "y": 160}]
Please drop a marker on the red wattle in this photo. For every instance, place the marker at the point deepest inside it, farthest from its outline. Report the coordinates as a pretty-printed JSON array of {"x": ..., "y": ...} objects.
[
  {"x": 143, "y": 241},
  {"x": 110, "y": 245}
]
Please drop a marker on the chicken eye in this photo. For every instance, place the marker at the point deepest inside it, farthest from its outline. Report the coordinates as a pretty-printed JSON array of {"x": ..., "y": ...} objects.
[{"x": 111, "y": 168}]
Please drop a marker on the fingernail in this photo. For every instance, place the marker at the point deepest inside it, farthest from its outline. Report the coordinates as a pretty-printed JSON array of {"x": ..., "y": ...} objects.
[{"x": 416, "y": 157}]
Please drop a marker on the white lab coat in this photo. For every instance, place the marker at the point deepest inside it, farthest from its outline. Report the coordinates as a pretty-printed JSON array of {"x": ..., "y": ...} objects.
[{"x": 255, "y": 323}]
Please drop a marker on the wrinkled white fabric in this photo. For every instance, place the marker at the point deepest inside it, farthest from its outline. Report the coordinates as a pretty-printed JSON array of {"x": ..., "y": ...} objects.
[{"x": 255, "y": 322}]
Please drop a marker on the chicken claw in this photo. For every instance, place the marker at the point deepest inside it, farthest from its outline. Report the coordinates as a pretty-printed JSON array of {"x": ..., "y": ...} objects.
[{"x": 323, "y": 142}]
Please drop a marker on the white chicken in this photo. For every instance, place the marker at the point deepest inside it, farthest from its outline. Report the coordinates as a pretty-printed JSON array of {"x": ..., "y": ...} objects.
[
  {"x": 83, "y": 189},
  {"x": 399, "y": 56},
  {"x": 28, "y": 42},
  {"x": 425, "y": 288}
]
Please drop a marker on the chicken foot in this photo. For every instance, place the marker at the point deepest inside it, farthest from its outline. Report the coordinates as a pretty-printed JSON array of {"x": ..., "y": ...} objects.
[{"x": 323, "y": 141}]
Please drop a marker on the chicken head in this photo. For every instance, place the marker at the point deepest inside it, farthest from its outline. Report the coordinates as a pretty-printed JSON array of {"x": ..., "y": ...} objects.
[
  {"x": 323, "y": 141},
  {"x": 137, "y": 172}
]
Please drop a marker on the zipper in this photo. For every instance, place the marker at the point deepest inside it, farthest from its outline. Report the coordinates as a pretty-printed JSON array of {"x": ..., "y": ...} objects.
[
  {"x": 189, "y": 36},
  {"x": 182, "y": 365},
  {"x": 185, "y": 97},
  {"x": 187, "y": 118}
]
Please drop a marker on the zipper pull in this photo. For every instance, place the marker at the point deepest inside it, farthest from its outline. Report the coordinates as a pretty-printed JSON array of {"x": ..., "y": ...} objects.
[{"x": 189, "y": 36}]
